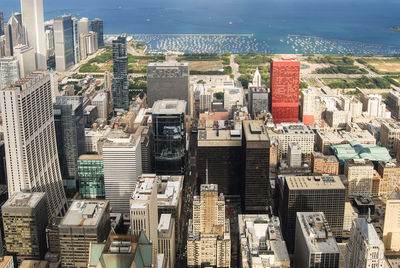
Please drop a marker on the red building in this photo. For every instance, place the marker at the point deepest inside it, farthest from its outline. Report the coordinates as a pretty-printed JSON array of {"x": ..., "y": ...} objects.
[{"x": 285, "y": 82}]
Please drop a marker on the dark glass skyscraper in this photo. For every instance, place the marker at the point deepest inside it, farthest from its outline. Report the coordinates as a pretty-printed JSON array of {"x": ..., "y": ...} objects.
[
  {"x": 1, "y": 23},
  {"x": 97, "y": 26},
  {"x": 120, "y": 87}
]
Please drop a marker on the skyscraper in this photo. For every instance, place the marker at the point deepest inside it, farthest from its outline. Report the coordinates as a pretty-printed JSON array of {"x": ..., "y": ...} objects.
[
  {"x": 64, "y": 42},
  {"x": 285, "y": 81},
  {"x": 83, "y": 26},
  {"x": 75, "y": 32},
  {"x": 15, "y": 30},
  {"x": 9, "y": 71},
  {"x": 120, "y": 87},
  {"x": 30, "y": 140},
  {"x": 26, "y": 59},
  {"x": 1, "y": 23},
  {"x": 33, "y": 21},
  {"x": 70, "y": 133},
  {"x": 91, "y": 176},
  {"x": 143, "y": 210},
  {"x": 97, "y": 26},
  {"x": 307, "y": 106}
]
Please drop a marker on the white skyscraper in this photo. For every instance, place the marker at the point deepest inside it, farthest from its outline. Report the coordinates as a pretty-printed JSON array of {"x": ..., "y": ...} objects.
[
  {"x": 9, "y": 71},
  {"x": 30, "y": 140},
  {"x": 33, "y": 21},
  {"x": 83, "y": 26},
  {"x": 122, "y": 166},
  {"x": 26, "y": 59}
]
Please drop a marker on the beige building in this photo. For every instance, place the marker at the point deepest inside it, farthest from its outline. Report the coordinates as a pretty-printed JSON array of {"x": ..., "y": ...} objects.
[
  {"x": 143, "y": 210},
  {"x": 349, "y": 215},
  {"x": 307, "y": 106},
  {"x": 86, "y": 221},
  {"x": 209, "y": 240},
  {"x": 166, "y": 238},
  {"x": 359, "y": 173},
  {"x": 390, "y": 178},
  {"x": 390, "y": 133},
  {"x": 324, "y": 164},
  {"x": 337, "y": 118},
  {"x": 391, "y": 228}
]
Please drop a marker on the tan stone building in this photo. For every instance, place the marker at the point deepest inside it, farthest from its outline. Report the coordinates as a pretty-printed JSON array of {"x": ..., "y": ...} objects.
[
  {"x": 390, "y": 178},
  {"x": 209, "y": 240},
  {"x": 359, "y": 173},
  {"x": 391, "y": 228},
  {"x": 324, "y": 164},
  {"x": 390, "y": 133}
]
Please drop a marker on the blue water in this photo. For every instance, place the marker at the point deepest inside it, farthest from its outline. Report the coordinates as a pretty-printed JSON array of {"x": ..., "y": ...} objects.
[{"x": 271, "y": 21}]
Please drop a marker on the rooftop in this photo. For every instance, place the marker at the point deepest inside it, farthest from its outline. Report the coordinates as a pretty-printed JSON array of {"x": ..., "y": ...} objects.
[
  {"x": 100, "y": 97},
  {"x": 292, "y": 129},
  {"x": 90, "y": 157},
  {"x": 345, "y": 136},
  {"x": 355, "y": 150},
  {"x": 169, "y": 106},
  {"x": 24, "y": 200},
  {"x": 219, "y": 138},
  {"x": 85, "y": 213},
  {"x": 254, "y": 130},
  {"x": 164, "y": 223},
  {"x": 327, "y": 158},
  {"x": 144, "y": 187},
  {"x": 168, "y": 64},
  {"x": 317, "y": 234},
  {"x": 368, "y": 232},
  {"x": 209, "y": 187},
  {"x": 169, "y": 190},
  {"x": 312, "y": 182}
]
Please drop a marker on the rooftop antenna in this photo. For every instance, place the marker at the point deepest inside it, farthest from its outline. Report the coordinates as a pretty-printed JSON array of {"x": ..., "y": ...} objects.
[
  {"x": 207, "y": 171},
  {"x": 369, "y": 216}
]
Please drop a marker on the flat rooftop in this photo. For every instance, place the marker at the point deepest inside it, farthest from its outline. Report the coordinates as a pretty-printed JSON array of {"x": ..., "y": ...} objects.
[
  {"x": 317, "y": 233},
  {"x": 169, "y": 190},
  {"x": 144, "y": 187},
  {"x": 345, "y": 136},
  {"x": 220, "y": 138},
  {"x": 209, "y": 187},
  {"x": 24, "y": 200},
  {"x": 168, "y": 64},
  {"x": 100, "y": 97},
  {"x": 254, "y": 130},
  {"x": 85, "y": 213},
  {"x": 169, "y": 106},
  {"x": 164, "y": 222},
  {"x": 292, "y": 129},
  {"x": 90, "y": 157},
  {"x": 327, "y": 158},
  {"x": 313, "y": 182}
]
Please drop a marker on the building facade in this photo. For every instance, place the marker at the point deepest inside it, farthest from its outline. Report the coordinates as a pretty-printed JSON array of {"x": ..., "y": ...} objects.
[
  {"x": 324, "y": 164},
  {"x": 389, "y": 178},
  {"x": 9, "y": 71},
  {"x": 91, "y": 176},
  {"x": 359, "y": 174},
  {"x": 307, "y": 106},
  {"x": 120, "y": 86},
  {"x": 97, "y": 26},
  {"x": 390, "y": 133},
  {"x": 64, "y": 42},
  {"x": 166, "y": 238},
  {"x": 391, "y": 228}
]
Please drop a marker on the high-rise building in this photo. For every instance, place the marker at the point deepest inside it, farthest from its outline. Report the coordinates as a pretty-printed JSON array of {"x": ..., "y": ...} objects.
[
  {"x": 86, "y": 221},
  {"x": 50, "y": 42},
  {"x": 64, "y": 42},
  {"x": 294, "y": 155},
  {"x": 83, "y": 26},
  {"x": 75, "y": 33},
  {"x": 91, "y": 176},
  {"x": 15, "y": 32},
  {"x": 391, "y": 228},
  {"x": 285, "y": 82},
  {"x": 325, "y": 194},
  {"x": 166, "y": 238},
  {"x": 122, "y": 166},
  {"x": 209, "y": 238},
  {"x": 257, "y": 188},
  {"x": 25, "y": 220},
  {"x": 120, "y": 84},
  {"x": 1, "y": 23},
  {"x": 9, "y": 71},
  {"x": 33, "y": 21},
  {"x": 390, "y": 133},
  {"x": 390, "y": 177},
  {"x": 97, "y": 26},
  {"x": 364, "y": 248},
  {"x": 146, "y": 143},
  {"x": 307, "y": 106},
  {"x": 258, "y": 101},
  {"x": 315, "y": 244},
  {"x": 261, "y": 241},
  {"x": 233, "y": 97},
  {"x": 26, "y": 59},
  {"x": 143, "y": 210},
  {"x": 70, "y": 134},
  {"x": 101, "y": 102},
  {"x": 30, "y": 139},
  {"x": 169, "y": 132},
  {"x": 168, "y": 80},
  {"x": 359, "y": 174},
  {"x": 393, "y": 101}
]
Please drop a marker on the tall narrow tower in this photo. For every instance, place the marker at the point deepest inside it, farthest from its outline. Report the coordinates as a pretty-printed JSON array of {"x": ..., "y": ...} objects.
[
  {"x": 33, "y": 21},
  {"x": 30, "y": 140},
  {"x": 120, "y": 87}
]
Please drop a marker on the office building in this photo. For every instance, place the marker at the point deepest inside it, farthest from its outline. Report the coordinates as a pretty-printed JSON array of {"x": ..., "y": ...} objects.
[
  {"x": 146, "y": 144},
  {"x": 101, "y": 102},
  {"x": 97, "y": 27},
  {"x": 15, "y": 32},
  {"x": 325, "y": 194},
  {"x": 64, "y": 42},
  {"x": 91, "y": 176},
  {"x": 294, "y": 155},
  {"x": 299, "y": 133},
  {"x": 9, "y": 71},
  {"x": 391, "y": 228},
  {"x": 70, "y": 134},
  {"x": 33, "y": 22},
  {"x": 26, "y": 59},
  {"x": 285, "y": 82},
  {"x": 364, "y": 248},
  {"x": 389, "y": 178},
  {"x": 315, "y": 244},
  {"x": 169, "y": 132},
  {"x": 76, "y": 40},
  {"x": 122, "y": 166},
  {"x": 50, "y": 48},
  {"x": 166, "y": 238},
  {"x": 307, "y": 106},
  {"x": 121, "y": 251},
  {"x": 393, "y": 101},
  {"x": 208, "y": 240},
  {"x": 120, "y": 84},
  {"x": 86, "y": 221},
  {"x": 258, "y": 101},
  {"x": 168, "y": 80},
  {"x": 359, "y": 174},
  {"x": 324, "y": 164},
  {"x": 261, "y": 242},
  {"x": 390, "y": 133},
  {"x": 83, "y": 26},
  {"x": 143, "y": 210},
  {"x": 233, "y": 97},
  {"x": 220, "y": 152},
  {"x": 30, "y": 140},
  {"x": 24, "y": 222},
  {"x": 257, "y": 188},
  {"x": 338, "y": 118},
  {"x": 350, "y": 214},
  {"x": 91, "y": 42}
]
